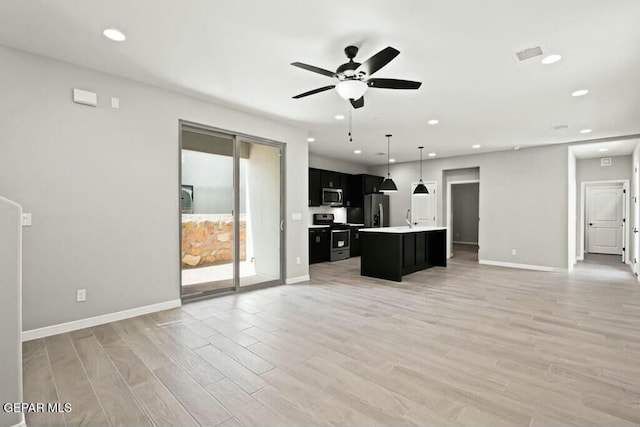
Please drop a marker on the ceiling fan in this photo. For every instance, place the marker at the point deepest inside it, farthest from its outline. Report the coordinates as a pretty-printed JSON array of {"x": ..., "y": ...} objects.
[{"x": 354, "y": 77}]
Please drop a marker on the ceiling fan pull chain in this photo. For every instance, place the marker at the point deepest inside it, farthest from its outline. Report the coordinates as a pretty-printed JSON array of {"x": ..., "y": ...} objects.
[{"x": 350, "y": 126}]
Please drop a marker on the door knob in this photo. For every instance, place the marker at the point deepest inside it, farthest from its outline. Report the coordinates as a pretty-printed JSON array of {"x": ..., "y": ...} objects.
[
  {"x": 590, "y": 224},
  {"x": 635, "y": 230}
]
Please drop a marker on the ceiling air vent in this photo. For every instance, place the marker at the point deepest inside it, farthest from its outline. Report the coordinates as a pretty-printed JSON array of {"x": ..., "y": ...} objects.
[
  {"x": 605, "y": 161},
  {"x": 532, "y": 52},
  {"x": 560, "y": 127}
]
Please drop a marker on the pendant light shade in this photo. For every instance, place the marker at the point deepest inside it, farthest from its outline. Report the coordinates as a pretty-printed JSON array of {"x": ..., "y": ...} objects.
[
  {"x": 421, "y": 188},
  {"x": 388, "y": 186}
]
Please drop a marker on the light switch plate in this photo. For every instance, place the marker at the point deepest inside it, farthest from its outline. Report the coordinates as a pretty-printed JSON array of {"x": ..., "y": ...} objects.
[
  {"x": 26, "y": 220},
  {"x": 296, "y": 216},
  {"x": 115, "y": 102}
]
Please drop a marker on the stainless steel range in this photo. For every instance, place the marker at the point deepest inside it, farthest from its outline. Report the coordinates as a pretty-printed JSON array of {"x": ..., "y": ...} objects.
[{"x": 340, "y": 234}]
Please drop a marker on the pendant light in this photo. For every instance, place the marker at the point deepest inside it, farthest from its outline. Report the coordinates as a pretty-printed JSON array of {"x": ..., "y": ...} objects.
[
  {"x": 421, "y": 188},
  {"x": 388, "y": 186}
]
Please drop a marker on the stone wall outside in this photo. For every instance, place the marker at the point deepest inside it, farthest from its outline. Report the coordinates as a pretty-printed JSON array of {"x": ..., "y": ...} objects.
[{"x": 208, "y": 240}]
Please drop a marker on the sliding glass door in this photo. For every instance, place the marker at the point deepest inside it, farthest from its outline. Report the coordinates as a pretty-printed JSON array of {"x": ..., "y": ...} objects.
[
  {"x": 231, "y": 226},
  {"x": 261, "y": 226}
]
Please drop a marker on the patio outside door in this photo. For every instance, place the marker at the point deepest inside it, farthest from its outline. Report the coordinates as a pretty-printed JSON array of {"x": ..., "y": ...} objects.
[{"x": 232, "y": 222}]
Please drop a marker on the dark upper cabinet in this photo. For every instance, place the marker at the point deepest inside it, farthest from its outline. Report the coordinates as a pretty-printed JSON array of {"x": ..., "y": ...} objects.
[
  {"x": 372, "y": 184},
  {"x": 353, "y": 186},
  {"x": 353, "y": 193},
  {"x": 331, "y": 179},
  {"x": 319, "y": 245},
  {"x": 315, "y": 187}
]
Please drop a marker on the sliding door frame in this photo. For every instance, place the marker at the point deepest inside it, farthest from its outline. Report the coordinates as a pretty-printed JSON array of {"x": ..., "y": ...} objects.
[{"x": 238, "y": 138}]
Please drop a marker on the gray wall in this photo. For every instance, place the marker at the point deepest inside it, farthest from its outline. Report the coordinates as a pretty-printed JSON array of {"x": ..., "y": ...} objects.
[
  {"x": 321, "y": 162},
  {"x": 10, "y": 321},
  {"x": 523, "y": 201},
  {"x": 590, "y": 169},
  {"x": 464, "y": 212},
  {"x": 73, "y": 167}
]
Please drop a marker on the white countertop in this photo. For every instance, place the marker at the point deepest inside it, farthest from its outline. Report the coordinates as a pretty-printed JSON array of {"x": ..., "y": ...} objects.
[
  {"x": 318, "y": 226},
  {"x": 401, "y": 230}
]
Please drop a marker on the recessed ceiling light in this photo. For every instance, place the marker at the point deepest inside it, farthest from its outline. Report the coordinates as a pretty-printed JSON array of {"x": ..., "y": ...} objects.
[
  {"x": 580, "y": 92},
  {"x": 357, "y": 151},
  {"x": 339, "y": 117},
  {"x": 603, "y": 149},
  {"x": 311, "y": 139},
  {"x": 585, "y": 131},
  {"x": 476, "y": 146},
  {"x": 392, "y": 160},
  {"x": 432, "y": 154},
  {"x": 433, "y": 122},
  {"x": 516, "y": 148},
  {"x": 551, "y": 59},
  {"x": 115, "y": 35}
]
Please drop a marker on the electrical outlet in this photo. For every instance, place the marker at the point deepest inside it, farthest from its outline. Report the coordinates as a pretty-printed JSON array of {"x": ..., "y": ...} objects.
[
  {"x": 298, "y": 260},
  {"x": 81, "y": 295},
  {"x": 514, "y": 252}
]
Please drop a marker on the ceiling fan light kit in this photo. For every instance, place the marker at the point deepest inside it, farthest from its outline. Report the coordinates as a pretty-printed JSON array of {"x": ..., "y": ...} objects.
[
  {"x": 351, "y": 89},
  {"x": 354, "y": 77}
]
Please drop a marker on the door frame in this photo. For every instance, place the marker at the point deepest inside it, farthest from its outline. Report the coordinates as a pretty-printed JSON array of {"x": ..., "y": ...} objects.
[
  {"x": 238, "y": 138},
  {"x": 449, "y": 208},
  {"x": 583, "y": 213}
]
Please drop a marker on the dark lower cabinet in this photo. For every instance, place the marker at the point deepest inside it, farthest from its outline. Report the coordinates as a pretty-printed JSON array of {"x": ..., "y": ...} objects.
[
  {"x": 319, "y": 245},
  {"x": 354, "y": 242},
  {"x": 392, "y": 255},
  {"x": 408, "y": 250}
]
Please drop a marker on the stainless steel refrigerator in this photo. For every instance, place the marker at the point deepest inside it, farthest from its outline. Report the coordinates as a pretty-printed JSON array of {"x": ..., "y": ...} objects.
[{"x": 376, "y": 210}]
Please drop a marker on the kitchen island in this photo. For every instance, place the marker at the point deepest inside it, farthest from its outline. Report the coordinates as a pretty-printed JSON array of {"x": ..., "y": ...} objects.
[{"x": 392, "y": 252}]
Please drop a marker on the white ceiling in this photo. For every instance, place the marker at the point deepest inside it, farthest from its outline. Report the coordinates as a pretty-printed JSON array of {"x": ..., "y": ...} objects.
[
  {"x": 238, "y": 53},
  {"x": 622, "y": 147}
]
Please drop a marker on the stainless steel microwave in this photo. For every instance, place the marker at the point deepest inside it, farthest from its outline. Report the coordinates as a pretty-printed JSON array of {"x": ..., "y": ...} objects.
[{"x": 332, "y": 197}]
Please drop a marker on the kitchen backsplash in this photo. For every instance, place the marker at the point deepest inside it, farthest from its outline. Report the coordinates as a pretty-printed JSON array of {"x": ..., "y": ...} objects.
[{"x": 340, "y": 214}]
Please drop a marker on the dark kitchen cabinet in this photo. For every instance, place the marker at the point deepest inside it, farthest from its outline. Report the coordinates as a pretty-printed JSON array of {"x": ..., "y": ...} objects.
[
  {"x": 319, "y": 245},
  {"x": 354, "y": 242},
  {"x": 315, "y": 187},
  {"x": 353, "y": 192},
  {"x": 331, "y": 179},
  {"x": 409, "y": 250},
  {"x": 372, "y": 184},
  {"x": 359, "y": 185}
]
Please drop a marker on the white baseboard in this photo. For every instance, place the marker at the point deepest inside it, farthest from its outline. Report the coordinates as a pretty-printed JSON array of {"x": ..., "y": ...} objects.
[
  {"x": 61, "y": 328},
  {"x": 464, "y": 243},
  {"x": 522, "y": 266},
  {"x": 298, "y": 279}
]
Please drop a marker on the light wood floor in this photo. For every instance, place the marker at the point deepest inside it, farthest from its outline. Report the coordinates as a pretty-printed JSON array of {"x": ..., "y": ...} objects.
[{"x": 465, "y": 345}]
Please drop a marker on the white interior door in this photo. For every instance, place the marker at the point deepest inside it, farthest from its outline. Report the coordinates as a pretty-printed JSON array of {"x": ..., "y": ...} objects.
[
  {"x": 424, "y": 207},
  {"x": 605, "y": 211}
]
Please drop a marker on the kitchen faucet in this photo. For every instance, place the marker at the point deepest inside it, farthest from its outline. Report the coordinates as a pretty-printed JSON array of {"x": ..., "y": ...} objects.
[{"x": 407, "y": 218}]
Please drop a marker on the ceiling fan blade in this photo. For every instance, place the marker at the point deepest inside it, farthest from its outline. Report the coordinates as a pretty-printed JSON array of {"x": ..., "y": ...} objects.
[
  {"x": 311, "y": 92},
  {"x": 357, "y": 103},
  {"x": 393, "y": 84},
  {"x": 378, "y": 60},
  {"x": 314, "y": 69}
]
